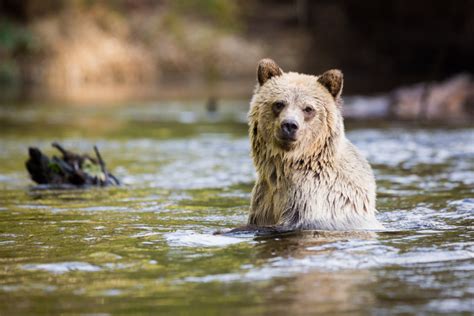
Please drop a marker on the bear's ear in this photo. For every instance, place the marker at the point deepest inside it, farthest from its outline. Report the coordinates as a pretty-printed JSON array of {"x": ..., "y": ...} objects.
[
  {"x": 267, "y": 69},
  {"x": 333, "y": 81}
]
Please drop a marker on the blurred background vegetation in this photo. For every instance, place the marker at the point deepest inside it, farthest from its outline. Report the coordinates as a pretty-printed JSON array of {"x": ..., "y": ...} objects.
[{"x": 115, "y": 49}]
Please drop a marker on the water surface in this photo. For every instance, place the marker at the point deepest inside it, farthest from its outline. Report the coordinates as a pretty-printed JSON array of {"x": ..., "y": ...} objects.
[{"x": 147, "y": 247}]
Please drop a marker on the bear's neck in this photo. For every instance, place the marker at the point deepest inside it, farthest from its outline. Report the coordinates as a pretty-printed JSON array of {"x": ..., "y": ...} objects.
[{"x": 320, "y": 155}]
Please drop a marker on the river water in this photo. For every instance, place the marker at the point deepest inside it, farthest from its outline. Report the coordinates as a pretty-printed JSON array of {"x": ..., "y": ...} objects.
[{"x": 147, "y": 247}]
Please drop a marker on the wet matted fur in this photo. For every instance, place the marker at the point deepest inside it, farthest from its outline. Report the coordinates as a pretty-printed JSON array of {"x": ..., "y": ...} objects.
[{"x": 315, "y": 179}]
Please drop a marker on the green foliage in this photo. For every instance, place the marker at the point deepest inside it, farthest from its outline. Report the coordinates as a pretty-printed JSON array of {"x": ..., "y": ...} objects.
[
  {"x": 54, "y": 167},
  {"x": 16, "y": 39},
  {"x": 9, "y": 72},
  {"x": 223, "y": 12},
  {"x": 93, "y": 169},
  {"x": 16, "y": 42}
]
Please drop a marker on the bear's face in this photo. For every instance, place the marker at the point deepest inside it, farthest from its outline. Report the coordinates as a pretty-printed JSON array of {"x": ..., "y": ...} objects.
[{"x": 294, "y": 109}]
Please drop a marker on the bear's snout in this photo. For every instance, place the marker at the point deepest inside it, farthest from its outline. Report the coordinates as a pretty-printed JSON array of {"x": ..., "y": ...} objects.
[{"x": 288, "y": 129}]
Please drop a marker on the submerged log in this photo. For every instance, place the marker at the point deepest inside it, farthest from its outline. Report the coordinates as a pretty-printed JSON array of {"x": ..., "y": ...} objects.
[{"x": 70, "y": 169}]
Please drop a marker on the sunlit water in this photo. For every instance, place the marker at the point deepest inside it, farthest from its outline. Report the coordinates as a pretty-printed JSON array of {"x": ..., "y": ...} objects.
[{"x": 148, "y": 247}]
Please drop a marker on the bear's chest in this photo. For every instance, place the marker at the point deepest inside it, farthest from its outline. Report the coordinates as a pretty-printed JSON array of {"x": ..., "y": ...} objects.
[{"x": 290, "y": 188}]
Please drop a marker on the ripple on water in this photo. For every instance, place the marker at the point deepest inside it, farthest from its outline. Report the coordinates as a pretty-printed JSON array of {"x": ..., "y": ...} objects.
[
  {"x": 348, "y": 256},
  {"x": 419, "y": 146},
  {"x": 205, "y": 162},
  {"x": 464, "y": 206},
  {"x": 62, "y": 267},
  {"x": 419, "y": 218},
  {"x": 183, "y": 238}
]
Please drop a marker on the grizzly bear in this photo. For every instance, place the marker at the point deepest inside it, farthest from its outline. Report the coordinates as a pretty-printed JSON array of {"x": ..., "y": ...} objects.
[{"x": 309, "y": 175}]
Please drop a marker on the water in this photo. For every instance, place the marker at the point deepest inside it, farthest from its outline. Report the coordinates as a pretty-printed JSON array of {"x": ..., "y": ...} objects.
[{"x": 148, "y": 248}]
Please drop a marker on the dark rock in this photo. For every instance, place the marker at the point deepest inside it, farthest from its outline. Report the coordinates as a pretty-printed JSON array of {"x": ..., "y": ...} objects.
[{"x": 447, "y": 100}]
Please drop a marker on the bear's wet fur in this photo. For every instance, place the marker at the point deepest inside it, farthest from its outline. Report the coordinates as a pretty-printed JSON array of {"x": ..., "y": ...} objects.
[{"x": 310, "y": 176}]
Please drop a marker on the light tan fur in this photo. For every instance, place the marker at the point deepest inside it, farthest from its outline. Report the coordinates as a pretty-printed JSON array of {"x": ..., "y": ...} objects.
[{"x": 318, "y": 181}]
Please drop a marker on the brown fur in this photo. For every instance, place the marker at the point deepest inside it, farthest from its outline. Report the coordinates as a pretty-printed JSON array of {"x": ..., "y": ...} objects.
[{"x": 319, "y": 180}]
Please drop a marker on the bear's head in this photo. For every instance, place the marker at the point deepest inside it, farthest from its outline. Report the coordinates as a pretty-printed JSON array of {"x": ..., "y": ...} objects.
[{"x": 292, "y": 112}]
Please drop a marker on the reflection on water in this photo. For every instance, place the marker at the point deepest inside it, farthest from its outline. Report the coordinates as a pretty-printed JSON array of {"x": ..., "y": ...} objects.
[{"x": 149, "y": 246}]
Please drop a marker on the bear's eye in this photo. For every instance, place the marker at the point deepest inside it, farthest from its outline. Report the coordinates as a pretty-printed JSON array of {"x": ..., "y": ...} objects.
[
  {"x": 278, "y": 106},
  {"x": 308, "y": 109}
]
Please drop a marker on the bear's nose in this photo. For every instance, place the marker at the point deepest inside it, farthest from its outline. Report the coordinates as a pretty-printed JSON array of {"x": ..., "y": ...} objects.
[{"x": 289, "y": 128}]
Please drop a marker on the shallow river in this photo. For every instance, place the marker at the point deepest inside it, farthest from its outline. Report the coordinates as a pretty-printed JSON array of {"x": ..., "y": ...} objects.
[{"x": 147, "y": 247}]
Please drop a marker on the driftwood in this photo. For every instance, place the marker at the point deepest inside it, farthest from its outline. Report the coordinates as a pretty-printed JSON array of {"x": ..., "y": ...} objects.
[{"x": 70, "y": 169}]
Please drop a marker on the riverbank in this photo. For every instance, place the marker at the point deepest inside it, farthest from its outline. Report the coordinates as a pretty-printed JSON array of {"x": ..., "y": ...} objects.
[{"x": 105, "y": 52}]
